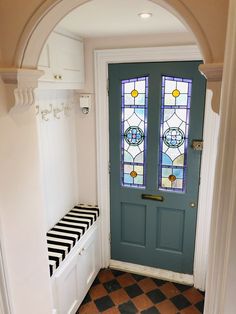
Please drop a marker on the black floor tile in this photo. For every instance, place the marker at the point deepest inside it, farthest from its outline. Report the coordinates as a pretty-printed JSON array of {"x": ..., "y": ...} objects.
[
  {"x": 96, "y": 281},
  {"x": 200, "y": 306},
  {"x": 181, "y": 288},
  {"x": 159, "y": 282},
  {"x": 127, "y": 308},
  {"x": 151, "y": 310},
  {"x": 133, "y": 291},
  {"x": 87, "y": 299},
  {"x": 156, "y": 296},
  {"x": 180, "y": 302},
  {"x": 117, "y": 273},
  {"x": 112, "y": 285},
  {"x": 138, "y": 277},
  {"x": 104, "y": 303}
]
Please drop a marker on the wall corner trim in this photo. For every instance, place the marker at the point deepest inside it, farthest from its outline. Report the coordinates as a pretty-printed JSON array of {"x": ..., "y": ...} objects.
[
  {"x": 24, "y": 82},
  {"x": 212, "y": 71}
]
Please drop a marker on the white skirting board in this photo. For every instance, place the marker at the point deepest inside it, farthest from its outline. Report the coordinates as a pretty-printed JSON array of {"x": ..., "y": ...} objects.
[{"x": 147, "y": 271}]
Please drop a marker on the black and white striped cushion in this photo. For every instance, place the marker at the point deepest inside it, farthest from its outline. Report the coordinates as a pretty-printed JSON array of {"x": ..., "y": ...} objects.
[{"x": 64, "y": 235}]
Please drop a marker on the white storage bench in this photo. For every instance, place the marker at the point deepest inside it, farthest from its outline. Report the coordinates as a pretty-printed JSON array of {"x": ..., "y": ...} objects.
[{"x": 74, "y": 257}]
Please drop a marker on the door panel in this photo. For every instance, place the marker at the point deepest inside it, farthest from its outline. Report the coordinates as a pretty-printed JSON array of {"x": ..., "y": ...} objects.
[
  {"x": 143, "y": 231},
  {"x": 136, "y": 235},
  {"x": 170, "y": 229}
]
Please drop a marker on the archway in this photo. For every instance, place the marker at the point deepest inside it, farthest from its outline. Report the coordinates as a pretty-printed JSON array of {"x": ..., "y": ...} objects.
[{"x": 51, "y": 12}]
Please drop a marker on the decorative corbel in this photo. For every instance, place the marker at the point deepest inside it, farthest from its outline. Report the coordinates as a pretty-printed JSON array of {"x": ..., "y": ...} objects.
[
  {"x": 213, "y": 73},
  {"x": 25, "y": 82}
]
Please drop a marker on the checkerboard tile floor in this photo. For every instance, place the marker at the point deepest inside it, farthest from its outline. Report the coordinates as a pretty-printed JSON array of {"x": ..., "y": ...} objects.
[{"x": 115, "y": 292}]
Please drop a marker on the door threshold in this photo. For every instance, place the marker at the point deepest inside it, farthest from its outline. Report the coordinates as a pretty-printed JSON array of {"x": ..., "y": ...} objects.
[{"x": 153, "y": 272}]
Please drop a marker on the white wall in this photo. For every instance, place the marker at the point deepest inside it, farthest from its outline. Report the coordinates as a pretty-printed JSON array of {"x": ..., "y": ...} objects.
[
  {"x": 58, "y": 148},
  {"x": 22, "y": 218}
]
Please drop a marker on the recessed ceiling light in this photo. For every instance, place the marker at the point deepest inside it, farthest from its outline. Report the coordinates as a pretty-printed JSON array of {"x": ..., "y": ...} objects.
[{"x": 145, "y": 15}]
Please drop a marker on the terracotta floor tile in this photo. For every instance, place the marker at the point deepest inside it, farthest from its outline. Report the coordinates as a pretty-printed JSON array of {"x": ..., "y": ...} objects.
[
  {"x": 113, "y": 310},
  {"x": 193, "y": 295},
  {"x": 169, "y": 290},
  {"x": 142, "y": 302},
  {"x": 167, "y": 307},
  {"x": 105, "y": 275},
  {"x": 190, "y": 310},
  {"x": 147, "y": 284},
  {"x": 88, "y": 308},
  {"x": 118, "y": 292},
  {"x": 97, "y": 291},
  {"x": 119, "y": 296},
  {"x": 125, "y": 280}
]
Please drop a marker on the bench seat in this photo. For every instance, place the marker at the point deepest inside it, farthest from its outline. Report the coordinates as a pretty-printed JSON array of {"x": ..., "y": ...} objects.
[{"x": 67, "y": 232}]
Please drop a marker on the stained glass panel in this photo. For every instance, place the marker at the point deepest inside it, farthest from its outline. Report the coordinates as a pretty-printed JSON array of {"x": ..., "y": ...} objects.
[
  {"x": 133, "y": 132},
  {"x": 175, "y": 107}
]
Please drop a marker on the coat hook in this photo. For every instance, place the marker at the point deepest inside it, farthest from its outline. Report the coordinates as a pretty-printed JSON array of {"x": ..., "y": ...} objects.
[
  {"x": 37, "y": 109},
  {"x": 45, "y": 112},
  {"x": 67, "y": 109},
  {"x": 57, "y": 110}
]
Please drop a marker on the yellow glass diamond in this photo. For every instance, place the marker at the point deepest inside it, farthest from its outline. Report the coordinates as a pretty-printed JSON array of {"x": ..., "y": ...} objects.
[
  {"x": 175, "y": 93},
  {"x": 134, "y": 93}
]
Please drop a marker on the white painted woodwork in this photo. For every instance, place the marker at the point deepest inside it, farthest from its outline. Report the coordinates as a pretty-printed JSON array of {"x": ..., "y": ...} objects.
[
  {"x": 56, "y": 122},
  {"x": 213, "y": 73},
  {"x": 221, "y": 277},
  {"x": 5, "y": 307},
  {"x": 62, "y": 60},
  {"x": 24, "y": 82},
  {"x": 152, "y": 272},
  {"x": 102, "y": 59},
  {"x": 207, "y": 176},
  {"x": 72, "y": 280}
]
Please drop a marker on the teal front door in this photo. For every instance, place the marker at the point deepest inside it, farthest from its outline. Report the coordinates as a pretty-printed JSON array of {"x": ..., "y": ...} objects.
[{"x": 155, "y": 129}]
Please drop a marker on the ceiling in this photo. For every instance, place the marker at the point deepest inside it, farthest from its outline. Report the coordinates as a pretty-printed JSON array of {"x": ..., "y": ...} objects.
[{"x": 101, "y": 18}]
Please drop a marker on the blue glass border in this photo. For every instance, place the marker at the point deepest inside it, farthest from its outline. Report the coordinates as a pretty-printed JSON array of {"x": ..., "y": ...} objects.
[
  {"x": 163, "y": 107},
  {"x": 122, "y": 139}
]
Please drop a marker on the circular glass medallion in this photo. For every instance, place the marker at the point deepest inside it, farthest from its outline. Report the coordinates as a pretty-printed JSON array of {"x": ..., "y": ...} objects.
[
  {"x": 134, "y": 93},
  {"x": 173, "y": 137},
  {"x": 175, "y": 93},
  {"x": 133, "y": 174},
  {"x": 172, "y": 178},
  {"x": 134, "y": 135}
]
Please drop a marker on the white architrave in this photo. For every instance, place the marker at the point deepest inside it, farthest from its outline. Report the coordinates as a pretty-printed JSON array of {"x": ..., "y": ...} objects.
[
  {"x": 221, "y": 284},
  {"x": 102, "y": 59},
  {"x": 207, "y": 175}
]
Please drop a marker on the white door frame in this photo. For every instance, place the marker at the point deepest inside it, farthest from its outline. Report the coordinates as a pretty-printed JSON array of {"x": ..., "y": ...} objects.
[{"x": 154, "y": 54}]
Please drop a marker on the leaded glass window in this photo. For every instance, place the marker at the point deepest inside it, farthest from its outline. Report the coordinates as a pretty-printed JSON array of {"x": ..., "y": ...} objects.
[
  {"x": 134, "y": 131},
  {"x": 175, "y": 107}
]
